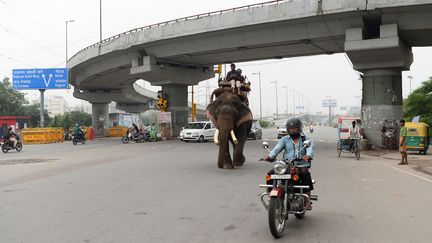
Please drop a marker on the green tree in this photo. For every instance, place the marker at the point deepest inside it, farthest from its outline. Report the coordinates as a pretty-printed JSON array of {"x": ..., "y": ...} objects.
[
  {"x": 80, "y": 117},
  {"x": 34, "y": 112},
  {"x": 419, "y": 103},
  {"x": 12, "y": 102}
]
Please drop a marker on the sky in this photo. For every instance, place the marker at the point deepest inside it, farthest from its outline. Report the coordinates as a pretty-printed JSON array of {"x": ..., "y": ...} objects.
[{"x": 32, "y": 35}]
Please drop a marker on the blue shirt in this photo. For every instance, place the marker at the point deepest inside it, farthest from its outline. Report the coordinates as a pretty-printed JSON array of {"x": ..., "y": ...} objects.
[{"x": 286, "y": 143}]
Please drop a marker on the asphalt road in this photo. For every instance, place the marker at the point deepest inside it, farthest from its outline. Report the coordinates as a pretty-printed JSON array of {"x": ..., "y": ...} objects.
[{"x": 173, "y": 192}]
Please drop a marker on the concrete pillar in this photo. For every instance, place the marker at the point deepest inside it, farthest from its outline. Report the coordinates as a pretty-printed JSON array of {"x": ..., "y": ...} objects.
[
  {"x": 382, "y": 100},
  {"x": 100, "y": 119},
  {"x": 177, "y": 105},
  {"x": 381, "y": 60}
]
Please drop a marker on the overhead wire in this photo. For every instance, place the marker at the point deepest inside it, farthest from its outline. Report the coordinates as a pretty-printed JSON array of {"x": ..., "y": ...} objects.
[{"x": 32, "y": 20}]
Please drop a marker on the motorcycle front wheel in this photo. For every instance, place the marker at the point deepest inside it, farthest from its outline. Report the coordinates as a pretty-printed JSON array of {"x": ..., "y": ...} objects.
[
  {"x": 19, "y": 147},
  {"x": 276, "y": 217},
  {"x": 125, "y": 139}
]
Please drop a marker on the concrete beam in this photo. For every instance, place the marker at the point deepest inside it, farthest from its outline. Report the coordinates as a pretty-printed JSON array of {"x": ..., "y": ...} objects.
[
  {"x": 133, "y": 108},
  {"x": 159, "y": 73},
  {"x": 388, "y": 51}
]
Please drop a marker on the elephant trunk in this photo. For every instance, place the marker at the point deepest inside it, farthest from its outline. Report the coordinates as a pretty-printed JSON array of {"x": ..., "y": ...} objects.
[{"x": 224, "y": 158}]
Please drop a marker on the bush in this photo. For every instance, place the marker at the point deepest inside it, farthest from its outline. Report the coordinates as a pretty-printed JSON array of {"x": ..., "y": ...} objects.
[{"x": 266, "y": 124}]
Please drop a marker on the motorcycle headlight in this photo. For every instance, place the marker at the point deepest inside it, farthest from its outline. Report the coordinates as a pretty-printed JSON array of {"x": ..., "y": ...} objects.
[{"x": 280, "y": 168}]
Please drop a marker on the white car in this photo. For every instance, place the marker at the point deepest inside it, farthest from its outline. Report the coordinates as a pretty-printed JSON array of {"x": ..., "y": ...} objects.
[
  {"x": 198, "y": 131},
  {"x": 282, "y": 131}
]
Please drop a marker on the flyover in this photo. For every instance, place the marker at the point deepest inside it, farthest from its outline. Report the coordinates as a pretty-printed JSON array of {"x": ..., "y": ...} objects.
[{"x": 377, "y": 36}]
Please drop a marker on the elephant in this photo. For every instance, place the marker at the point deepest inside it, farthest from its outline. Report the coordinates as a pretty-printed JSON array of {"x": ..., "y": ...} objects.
[{"x": 233, "y": 121}]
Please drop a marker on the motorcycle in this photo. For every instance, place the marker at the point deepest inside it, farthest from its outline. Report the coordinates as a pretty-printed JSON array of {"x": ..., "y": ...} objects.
[
  {"x": 79, "y": 139},
  {"x": 68, "y": 136},
  {"x": 7, "y": 145},
  {"x": 286, "y": 195},
  {"x": 139, "y": 138}
]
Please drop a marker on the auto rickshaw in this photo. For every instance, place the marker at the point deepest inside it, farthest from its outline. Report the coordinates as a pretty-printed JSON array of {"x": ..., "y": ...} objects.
[{"x": 418, "y": 137}]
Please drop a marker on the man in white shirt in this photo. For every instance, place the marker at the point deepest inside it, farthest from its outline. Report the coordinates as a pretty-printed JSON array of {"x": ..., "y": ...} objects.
[{"x": 354, "y": 133}]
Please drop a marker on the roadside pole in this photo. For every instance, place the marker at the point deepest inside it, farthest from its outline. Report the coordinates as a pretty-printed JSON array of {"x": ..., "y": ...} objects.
[{"x": 42, "y": 107}]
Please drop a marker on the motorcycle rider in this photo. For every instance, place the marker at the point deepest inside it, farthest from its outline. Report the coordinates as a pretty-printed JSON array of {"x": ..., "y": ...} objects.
[
  {"x": 78, "y": 132},
  {"x": 311, "y": 127},
  {"x": 135, "y": 131},
  {"x": 292, "y": 143},
  {"x": 10, "y": 136}
]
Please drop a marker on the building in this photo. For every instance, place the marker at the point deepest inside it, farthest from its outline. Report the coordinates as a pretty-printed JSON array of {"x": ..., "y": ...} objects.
[
  {"x": 16, "y": 122},
  {"x": 55, "y": 105}
]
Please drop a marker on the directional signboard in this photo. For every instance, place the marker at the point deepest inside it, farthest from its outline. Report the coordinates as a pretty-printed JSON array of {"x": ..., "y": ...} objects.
[
  {"x": 329, "y": 103},
  {"x": 47, "y": 78}
]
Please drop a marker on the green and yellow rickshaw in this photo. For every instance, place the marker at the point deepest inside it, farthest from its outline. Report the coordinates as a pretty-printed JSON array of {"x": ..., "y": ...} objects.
[{"x": 418, "y": 136}]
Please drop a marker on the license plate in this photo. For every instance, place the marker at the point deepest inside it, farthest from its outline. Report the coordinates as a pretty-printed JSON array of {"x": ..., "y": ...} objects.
[{"x": 280, "y": 177}]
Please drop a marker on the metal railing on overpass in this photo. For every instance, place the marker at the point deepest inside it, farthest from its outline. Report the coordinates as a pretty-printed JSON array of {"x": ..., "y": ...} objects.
[{"x": 192, "y": 17}]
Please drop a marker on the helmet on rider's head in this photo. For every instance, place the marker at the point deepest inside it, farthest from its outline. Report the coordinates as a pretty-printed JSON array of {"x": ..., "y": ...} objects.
[
  {"x": 239, "y": 71},
  {"x": 294, "y": 123}
]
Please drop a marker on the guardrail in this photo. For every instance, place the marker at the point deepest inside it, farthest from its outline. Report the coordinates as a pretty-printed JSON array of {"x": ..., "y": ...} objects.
[{"x": 192, "y": 17}]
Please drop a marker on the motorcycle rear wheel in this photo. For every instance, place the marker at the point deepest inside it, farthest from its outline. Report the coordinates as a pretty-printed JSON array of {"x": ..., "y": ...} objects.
[
  {"x": 74, "y": 142},
  {"x": 276, "y": 217},
  {"x": 4, "y": 149},
  {"x": 19, "y": 146}
]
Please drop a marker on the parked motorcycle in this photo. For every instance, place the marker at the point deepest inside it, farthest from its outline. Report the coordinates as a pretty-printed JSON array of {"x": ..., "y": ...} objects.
[
  {"x": 7, "y": 145},
  {"x": 68, "y": 136},
  {"x": 139, "y": 138},
  {"x": 79, "y": 139},
  {"x": 286, "y": 194}
]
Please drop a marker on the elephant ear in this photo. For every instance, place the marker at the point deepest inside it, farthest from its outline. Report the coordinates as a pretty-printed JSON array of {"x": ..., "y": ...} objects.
[
  {"x": 245, "y": 115},
  {"x": 210, "y": 116},
  {"x": 211, "y": 112}
]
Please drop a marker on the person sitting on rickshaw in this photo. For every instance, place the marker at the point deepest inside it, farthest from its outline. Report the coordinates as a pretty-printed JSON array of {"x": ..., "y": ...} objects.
[{"x": 354, "y": 134}]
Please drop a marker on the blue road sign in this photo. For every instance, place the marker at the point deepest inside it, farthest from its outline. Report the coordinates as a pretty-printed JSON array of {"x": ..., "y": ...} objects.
[{"x": 47, "y": 78}]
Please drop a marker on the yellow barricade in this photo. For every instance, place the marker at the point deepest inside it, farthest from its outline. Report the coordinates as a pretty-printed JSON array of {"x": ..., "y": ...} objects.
[
  {"x": 42, "y": 135},
  {"x": 117, "y": 131}
]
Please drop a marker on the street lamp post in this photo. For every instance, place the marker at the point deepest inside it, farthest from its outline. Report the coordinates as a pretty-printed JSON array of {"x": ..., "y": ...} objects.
[
  {"x": 358, "y": 103},
  {"x": 293, "y": 91},
  {"x": 67, "y": 21},
  {"x": 286, "y": 98},
  {"x": 100, "y": 20},
  {"x": 260, "y": 104},
  {"x": 410, "y": 78},
  {"x": 330, "y": 109},
  {"x": 277, "y": 109}
]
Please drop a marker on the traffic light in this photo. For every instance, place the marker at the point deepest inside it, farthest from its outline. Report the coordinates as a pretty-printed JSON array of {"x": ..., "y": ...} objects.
[
  {"x": 218, "y": 69},
  {"x": 162, "y": 102}
]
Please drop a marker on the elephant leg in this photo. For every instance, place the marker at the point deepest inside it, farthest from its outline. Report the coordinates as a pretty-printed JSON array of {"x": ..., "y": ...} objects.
[{"x": 241, "y": 134}]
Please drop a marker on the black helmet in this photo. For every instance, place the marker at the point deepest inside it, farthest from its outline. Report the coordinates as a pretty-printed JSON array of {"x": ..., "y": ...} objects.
[{"x": 294, "y": 123}]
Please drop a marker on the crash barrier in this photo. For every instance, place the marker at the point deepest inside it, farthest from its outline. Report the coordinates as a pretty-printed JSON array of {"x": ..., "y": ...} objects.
[
  {"x": 117, "y": 131},
  {"x": 42, "y": 135}
]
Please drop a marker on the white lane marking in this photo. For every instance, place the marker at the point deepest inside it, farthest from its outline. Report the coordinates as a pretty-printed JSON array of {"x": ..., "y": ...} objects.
[{"x": 409, "y": 173}]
